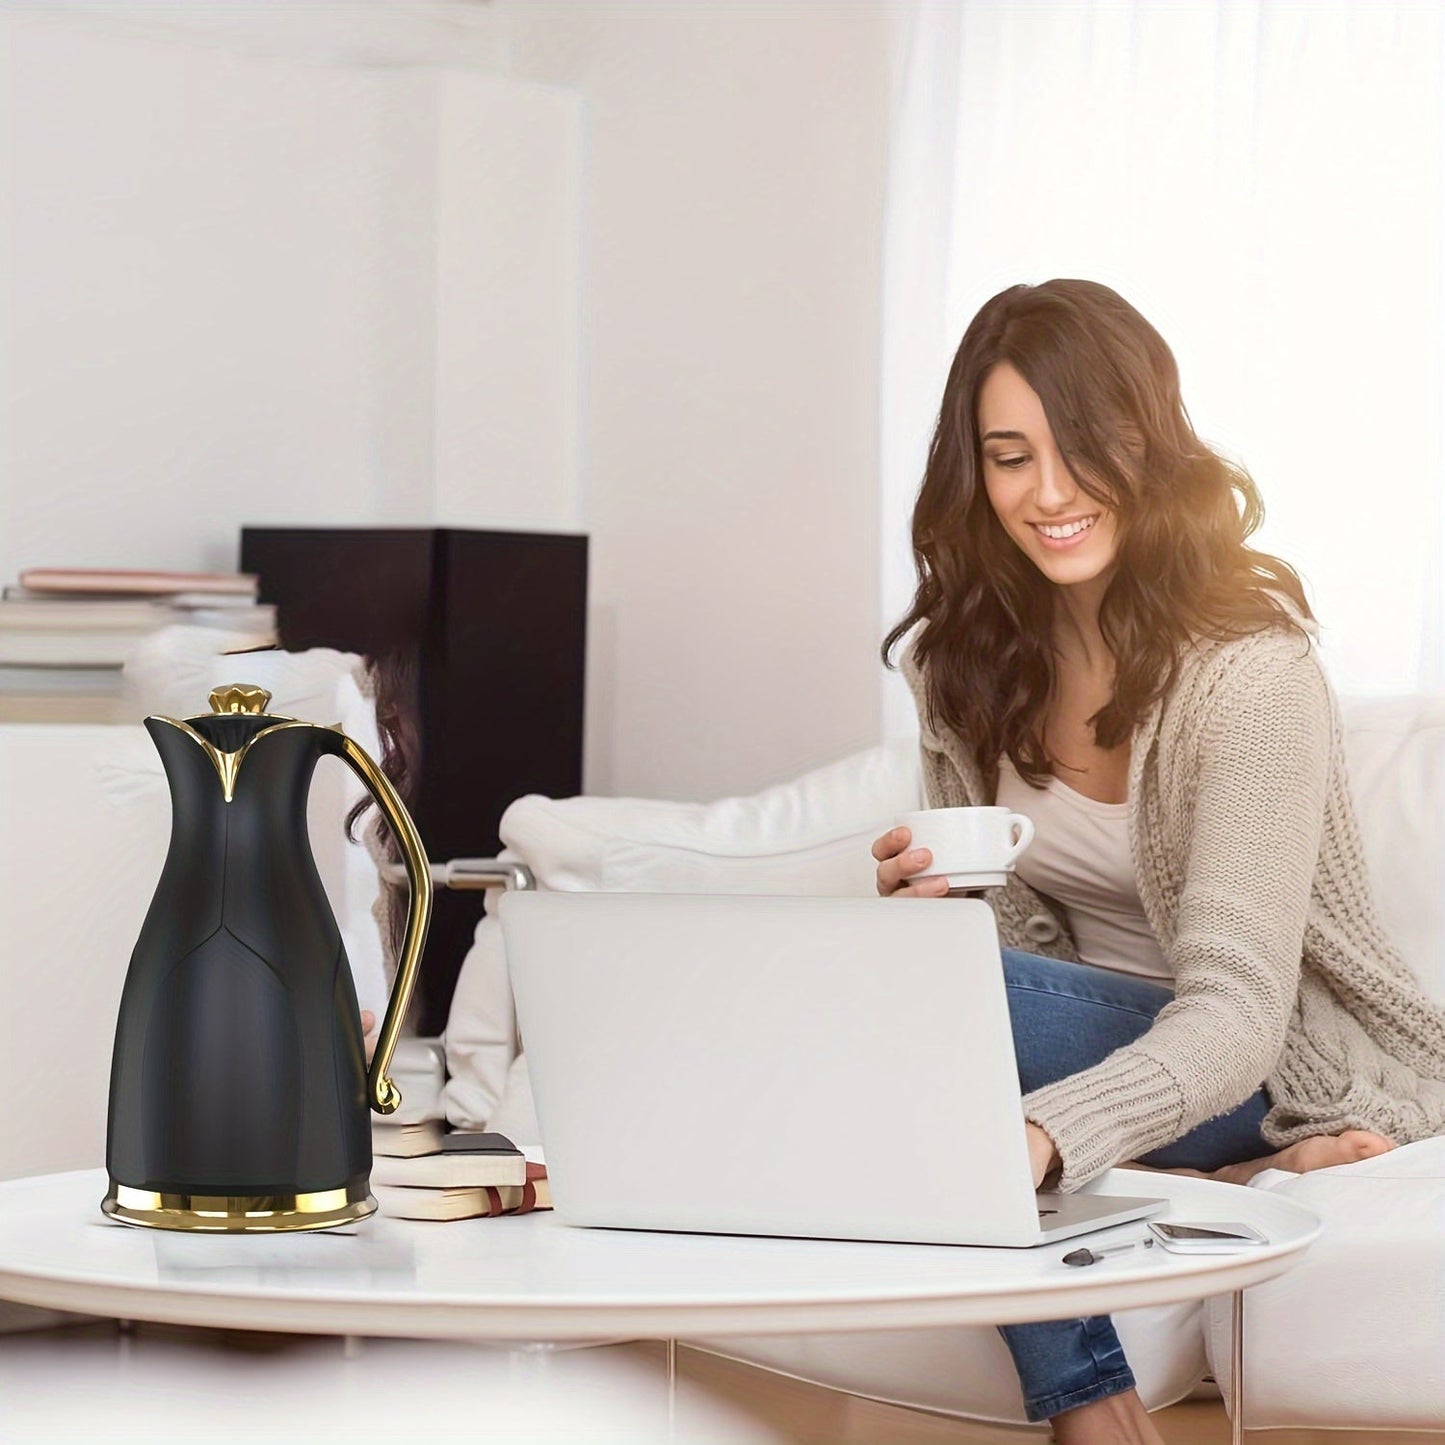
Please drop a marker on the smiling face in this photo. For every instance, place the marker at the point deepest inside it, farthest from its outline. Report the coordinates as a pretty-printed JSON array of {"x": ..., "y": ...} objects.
[{"x": 1065, "y": 533}]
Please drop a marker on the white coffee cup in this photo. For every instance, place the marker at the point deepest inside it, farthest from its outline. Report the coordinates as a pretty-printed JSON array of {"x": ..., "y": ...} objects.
[{"x": 971, "y": 847}]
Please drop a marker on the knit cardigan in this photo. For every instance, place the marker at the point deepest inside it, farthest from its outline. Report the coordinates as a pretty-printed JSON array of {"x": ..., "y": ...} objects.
[{"x": 1251, "y": 874}]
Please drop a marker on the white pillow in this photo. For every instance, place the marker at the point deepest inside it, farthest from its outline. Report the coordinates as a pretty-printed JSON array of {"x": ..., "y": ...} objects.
[
  {"x": 1395, "y": 750},
  {"x": 810, "y": 835},
  {"x": 174, "y": 669}
]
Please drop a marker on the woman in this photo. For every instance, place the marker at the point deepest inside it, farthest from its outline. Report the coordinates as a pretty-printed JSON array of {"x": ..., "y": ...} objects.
[{"x": 1100, "y": 650}]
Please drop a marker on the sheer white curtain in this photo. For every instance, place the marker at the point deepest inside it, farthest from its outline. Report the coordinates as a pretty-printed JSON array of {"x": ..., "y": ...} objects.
[{"x": 1264, "y": 182}]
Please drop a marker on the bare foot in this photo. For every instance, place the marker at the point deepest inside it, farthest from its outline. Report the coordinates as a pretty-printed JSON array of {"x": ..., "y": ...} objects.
[{"x": 1324, "y": 1151}]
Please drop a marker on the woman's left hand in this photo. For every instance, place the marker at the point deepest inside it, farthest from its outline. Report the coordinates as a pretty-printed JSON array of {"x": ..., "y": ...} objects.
[
  {"x": 369, "y": 1031},
  {"x": 1043, "y": 1156}
]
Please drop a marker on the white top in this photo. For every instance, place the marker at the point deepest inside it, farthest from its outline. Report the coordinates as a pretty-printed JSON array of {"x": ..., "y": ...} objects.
[{"x": 1080, "y": 857}]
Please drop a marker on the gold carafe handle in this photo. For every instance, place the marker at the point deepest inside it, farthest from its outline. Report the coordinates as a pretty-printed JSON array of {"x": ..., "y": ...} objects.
[{"x": 383, "y": 1095}]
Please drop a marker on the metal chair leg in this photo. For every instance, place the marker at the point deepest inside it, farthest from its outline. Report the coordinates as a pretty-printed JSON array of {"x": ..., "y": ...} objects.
[{"x": 1236, "y": 1370}]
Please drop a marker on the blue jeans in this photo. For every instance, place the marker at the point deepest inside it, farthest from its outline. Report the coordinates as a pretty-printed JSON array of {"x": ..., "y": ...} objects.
[{"x": 1067, "y": 1017}]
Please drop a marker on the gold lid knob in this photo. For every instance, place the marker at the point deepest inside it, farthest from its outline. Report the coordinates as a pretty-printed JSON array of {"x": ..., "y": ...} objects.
[{"x": 239, "y": 697}]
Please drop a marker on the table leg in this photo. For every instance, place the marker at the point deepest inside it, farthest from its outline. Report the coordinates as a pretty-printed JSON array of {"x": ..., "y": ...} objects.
[
  {"x": 671, "y": 1388},
  {"x": 1236, "y": 1371}
]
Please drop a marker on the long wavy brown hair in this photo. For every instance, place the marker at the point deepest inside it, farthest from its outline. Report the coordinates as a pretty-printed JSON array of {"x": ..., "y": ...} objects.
[
  {"x": 394, "y": 682},
  {"x": 1110, "y": 389}
]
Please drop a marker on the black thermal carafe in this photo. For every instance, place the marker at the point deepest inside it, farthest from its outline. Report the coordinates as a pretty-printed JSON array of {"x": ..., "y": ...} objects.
[{"x": 239, "y": 1088}]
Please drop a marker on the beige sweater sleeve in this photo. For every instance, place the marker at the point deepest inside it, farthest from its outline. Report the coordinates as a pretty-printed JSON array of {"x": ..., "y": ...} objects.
[{"x": 1260, "y": 779}]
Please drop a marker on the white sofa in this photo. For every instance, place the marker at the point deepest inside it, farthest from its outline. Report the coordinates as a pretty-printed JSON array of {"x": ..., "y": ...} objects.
[{"x": 1353, "y": 1338}]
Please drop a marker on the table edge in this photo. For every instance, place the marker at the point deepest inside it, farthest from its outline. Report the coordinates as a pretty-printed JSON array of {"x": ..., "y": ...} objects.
[{"x": 431, "y": 1318}]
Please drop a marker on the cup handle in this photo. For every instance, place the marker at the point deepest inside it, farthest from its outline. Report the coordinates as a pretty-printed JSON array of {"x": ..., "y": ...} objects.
[{"x": 1025, "y": 828}]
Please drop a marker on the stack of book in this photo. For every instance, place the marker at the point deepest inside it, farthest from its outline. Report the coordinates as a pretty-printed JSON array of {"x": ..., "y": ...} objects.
[
  {"x": 65, "y": 633},
  {"x": 421, "y": 1172}
]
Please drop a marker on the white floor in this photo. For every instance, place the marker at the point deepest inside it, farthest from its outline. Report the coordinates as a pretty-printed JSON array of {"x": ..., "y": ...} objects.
[{"x": 97, "y": 1382}]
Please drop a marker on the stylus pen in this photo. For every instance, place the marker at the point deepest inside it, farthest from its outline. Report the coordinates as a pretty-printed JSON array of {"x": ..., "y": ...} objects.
[{"x": 1093, "y": 1256}]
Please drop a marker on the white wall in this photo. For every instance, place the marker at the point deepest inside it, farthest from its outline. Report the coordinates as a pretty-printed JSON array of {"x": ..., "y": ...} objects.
[
  {"x": 733, "y": 193},
  {"x": 224, "y": 278},
  {"x": 507, "y": 244},
  {"x": 617, "y": 273}
]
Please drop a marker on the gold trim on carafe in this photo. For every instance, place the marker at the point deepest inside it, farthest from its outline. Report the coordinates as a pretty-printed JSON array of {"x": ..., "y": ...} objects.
[
  {"x": 228, "y": 765},
  {"x": 244, "y": 697},
  {"x": 239, "y": 1213}
]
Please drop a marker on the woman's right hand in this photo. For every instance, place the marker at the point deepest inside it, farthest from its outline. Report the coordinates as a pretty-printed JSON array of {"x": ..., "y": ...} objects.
[{"x": 897, "y": 865}]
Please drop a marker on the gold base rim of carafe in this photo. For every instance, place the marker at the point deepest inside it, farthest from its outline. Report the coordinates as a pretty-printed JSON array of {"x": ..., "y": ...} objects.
[{"x": 239, "y": 1213}]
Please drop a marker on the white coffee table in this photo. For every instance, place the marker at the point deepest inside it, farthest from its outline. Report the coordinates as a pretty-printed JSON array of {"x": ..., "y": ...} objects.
[{"x": 531, "y": 1278}]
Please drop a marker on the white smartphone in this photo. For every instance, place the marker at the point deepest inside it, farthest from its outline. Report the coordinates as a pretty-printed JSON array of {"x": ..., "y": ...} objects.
[{"x": 1183, "y": 1237}]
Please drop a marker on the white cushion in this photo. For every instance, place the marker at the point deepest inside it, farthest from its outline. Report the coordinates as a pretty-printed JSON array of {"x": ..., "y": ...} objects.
[
  {"x": 174, "y": 669},
  {"x": 810, "y": 835},
  {"x": 1354, "y": 1335},
  {"x": 1395, "y": 749}
]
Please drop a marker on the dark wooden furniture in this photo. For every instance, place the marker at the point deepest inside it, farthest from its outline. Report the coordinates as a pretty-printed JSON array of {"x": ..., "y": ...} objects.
[{"x": 492, "y": 628}]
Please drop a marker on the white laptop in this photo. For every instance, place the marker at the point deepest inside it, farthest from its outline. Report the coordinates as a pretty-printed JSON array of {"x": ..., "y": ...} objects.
[{"x": 830, "y": 1068}]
